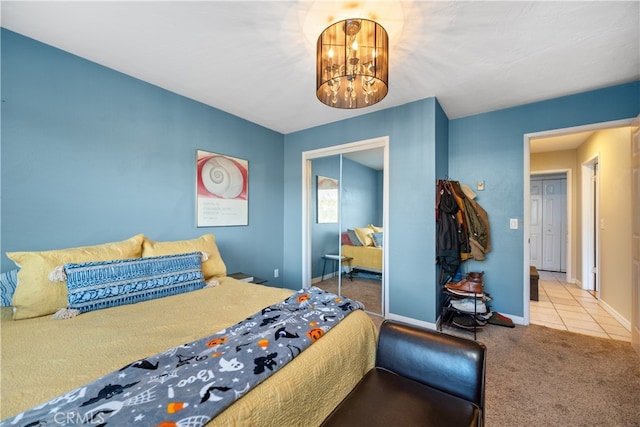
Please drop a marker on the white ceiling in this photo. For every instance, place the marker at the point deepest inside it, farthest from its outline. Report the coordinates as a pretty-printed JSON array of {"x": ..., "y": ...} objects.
[{"x": 256, "y": 59}]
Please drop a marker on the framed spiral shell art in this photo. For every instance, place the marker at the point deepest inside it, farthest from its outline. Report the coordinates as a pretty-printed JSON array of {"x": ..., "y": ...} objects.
[{"x": 222, "y": 190}]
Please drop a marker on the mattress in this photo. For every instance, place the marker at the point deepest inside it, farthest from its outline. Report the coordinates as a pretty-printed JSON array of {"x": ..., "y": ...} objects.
[{"x": 42, "y": 358}]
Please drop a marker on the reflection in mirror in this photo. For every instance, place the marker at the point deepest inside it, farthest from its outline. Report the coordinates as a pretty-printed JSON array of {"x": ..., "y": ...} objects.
[
  {"x": 361, "y": 219},
  {"x": 327, "y": 200},
  {"x": 348, "y": 259},
  {"x": 325, "y": 231}
]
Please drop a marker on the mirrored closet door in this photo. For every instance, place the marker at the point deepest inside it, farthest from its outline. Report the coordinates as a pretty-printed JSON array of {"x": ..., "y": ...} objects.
[
  {"x": 347, "y": 256},
  {"x": 324, "y": 222}
]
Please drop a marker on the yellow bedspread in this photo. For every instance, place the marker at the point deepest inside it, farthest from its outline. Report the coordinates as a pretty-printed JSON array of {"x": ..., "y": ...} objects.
[
  {"x": 42, "y": 358},
  {"x": 364, "y": 257}
]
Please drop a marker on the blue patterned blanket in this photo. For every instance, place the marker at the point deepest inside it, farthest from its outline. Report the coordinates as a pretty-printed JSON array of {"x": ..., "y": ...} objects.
[{"x": 190, "y": 384}]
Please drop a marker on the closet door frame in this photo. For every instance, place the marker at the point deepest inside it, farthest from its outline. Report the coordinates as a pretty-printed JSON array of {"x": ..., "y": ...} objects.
[{"x": 307, "y": 205}]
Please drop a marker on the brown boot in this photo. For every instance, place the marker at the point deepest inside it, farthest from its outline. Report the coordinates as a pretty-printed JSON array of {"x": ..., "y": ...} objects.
[
  {"x": 466, "y": 288},
  {"x": 475, "y": 276}
]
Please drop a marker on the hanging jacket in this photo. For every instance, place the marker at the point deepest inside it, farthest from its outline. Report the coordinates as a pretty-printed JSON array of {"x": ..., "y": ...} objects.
[
  {"x": 447, "y": 233},
  {"x": 463, "y": 227},
  {"x": 477, "y": 229}
]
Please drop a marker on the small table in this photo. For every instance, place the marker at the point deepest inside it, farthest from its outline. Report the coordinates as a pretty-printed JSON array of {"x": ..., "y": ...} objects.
[
  {"x": 247, "y": 278},
  {"x": 335, "y": 258}
]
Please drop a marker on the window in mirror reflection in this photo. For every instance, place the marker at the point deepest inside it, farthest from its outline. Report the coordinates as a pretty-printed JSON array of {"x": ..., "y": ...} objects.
[{"x": 327, "y": 203}]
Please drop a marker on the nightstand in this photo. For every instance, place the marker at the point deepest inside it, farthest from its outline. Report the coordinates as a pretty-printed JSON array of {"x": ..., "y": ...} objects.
[{"x": 248, "y": 278}]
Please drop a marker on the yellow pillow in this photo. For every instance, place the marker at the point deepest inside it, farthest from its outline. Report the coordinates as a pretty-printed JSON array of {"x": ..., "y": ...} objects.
[
  {"x": 37, "y": 296},
  {"x": 375, "y": 229},
  {"x": 212, "y": 267},
  {"x": 364, "y": 234}
]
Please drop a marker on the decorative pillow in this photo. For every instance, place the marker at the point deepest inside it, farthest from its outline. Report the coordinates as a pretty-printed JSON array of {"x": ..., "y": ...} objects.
[
  {"x": 97, "y": 285},
  {"x": 35, "y": 296},
  {"x": 213, "y": 267},
  {"x": 355, "y": 241},
  {"x": 375, "y": 228},
  {"x": 364, "y": 234},
  {"x": 377, "y": 239},
  {"x": 344, "y": 238},
  {"x": 8, "y": 282}
]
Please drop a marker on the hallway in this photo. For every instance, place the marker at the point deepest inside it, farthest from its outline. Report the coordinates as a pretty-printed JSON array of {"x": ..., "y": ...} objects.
[{"x": 566, "y": 307}]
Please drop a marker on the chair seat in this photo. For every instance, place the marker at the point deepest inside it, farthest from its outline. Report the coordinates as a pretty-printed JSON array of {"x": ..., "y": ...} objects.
[{"x": 383, "y": 398}]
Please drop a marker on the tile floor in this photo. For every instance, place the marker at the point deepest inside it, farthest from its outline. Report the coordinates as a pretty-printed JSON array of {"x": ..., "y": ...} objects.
[{"x": 565, "y": 306}]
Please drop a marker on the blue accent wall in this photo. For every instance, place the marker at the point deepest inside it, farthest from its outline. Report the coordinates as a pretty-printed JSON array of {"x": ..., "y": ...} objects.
[
  {"x": 325, "y": 238},
  {"x": 90, "y": 155},
  {"x": 360, "y": 192},
  {"x": 490, "y": 147},
  {"x": 442, "y": 168}
]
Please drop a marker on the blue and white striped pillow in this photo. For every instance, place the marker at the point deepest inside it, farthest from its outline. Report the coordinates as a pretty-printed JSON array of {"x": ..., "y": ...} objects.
[
  {"x": 98, "y": 285},
  {"x": 8, "y": 283}
]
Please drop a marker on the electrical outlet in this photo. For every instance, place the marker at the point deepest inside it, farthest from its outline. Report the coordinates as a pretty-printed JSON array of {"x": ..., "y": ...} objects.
[
  {"x": 480, "y": 185},
  {"x": 276, "y": 273}
]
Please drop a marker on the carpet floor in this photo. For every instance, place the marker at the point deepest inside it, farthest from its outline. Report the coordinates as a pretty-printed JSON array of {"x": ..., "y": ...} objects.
[
  {"x": 367, "y": 291},
  {"x": 546, "y": 377}
]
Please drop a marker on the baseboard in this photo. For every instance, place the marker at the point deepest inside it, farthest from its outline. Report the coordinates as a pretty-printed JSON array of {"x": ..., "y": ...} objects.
[
  {"x": 327, "y": 276},
  {"x": 518, "y": 320},
  {"x": 411, "y": 321},
  {"x": 624, "y": 322}
]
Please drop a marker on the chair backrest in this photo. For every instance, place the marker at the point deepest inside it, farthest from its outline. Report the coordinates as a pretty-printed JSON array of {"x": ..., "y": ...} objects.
[{"x": 451, "y": 364}]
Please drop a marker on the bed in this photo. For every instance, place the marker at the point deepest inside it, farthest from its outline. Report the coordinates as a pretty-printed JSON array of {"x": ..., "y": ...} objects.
[
  {"x": 42, "y": 358},
  {"x": 364, "y": 246},
  {"x": 364, "y": 258}
]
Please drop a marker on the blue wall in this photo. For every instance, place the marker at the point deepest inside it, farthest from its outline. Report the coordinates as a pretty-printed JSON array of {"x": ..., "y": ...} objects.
[
  {"x": 90, "y": 155},
  {"x": 325, "y": 238},
  {"x": 360, "y": 193},
  {"x": 490, "y": 147},
  {"x": 441, "y": 163}
]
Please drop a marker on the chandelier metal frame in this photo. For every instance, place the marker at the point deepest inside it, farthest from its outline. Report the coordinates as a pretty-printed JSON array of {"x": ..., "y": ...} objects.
[{"x": 352, "y": 67}]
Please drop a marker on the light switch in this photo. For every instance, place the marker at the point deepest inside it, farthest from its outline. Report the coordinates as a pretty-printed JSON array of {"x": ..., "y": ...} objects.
[
  {"x": 513, "y": 223},
  {"x": 480, "y": 185}
]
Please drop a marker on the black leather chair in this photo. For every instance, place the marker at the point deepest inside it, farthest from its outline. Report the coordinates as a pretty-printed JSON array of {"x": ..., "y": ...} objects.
[{"x": 421, "y": 378}]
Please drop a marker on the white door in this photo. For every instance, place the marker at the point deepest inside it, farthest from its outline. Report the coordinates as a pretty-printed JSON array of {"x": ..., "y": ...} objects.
[
  {"x": 635, "y": 212},
  {"x": 535, "y": 229},
  {"x": 553, "y": 199}
]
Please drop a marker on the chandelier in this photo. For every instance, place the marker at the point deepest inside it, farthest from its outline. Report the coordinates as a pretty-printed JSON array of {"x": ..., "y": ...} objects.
[{"x": 352, "y": 69}]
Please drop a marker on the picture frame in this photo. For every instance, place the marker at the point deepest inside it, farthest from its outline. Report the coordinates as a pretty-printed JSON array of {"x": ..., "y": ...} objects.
[{"x": 222, "y": 190}]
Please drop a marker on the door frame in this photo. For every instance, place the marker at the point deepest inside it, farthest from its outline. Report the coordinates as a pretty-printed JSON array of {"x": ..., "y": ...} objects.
[
  {"x": 590, "y": 230},
  {"x": 526, "y": 141},
  {"x": 635, "y": 252},
  {"x": 307, "y": 205}
]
